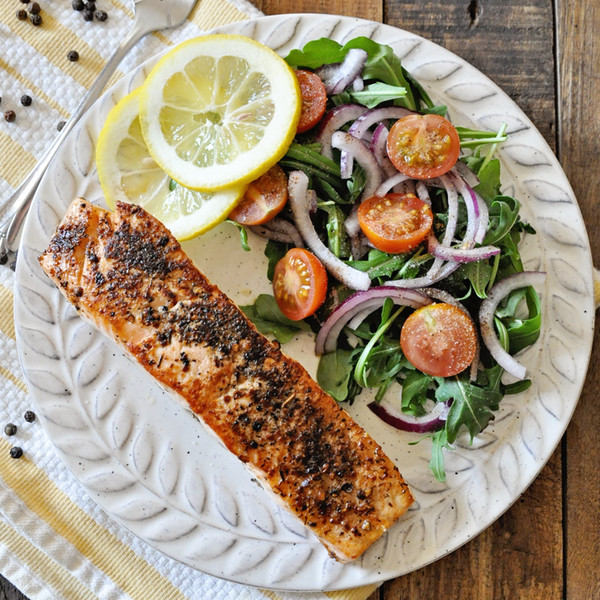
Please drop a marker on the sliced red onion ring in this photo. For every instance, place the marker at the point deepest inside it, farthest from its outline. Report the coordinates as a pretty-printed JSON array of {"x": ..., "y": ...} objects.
[
  {"x": 339, "y": 76},
  {"x": 473, "y": 213},
  {"x": 361, "y": 126},
  {"x": 364, "y": 157},
  {"x": 279, "y": 230},
  {"x": 299, "y": 202},
  {"x": 432, "y": 421},
  {"x": 425, "y": 280},
  {"x": 333, "y": 120},
  {"x": 461, "y": 255},
  {"x": 390, "y": 183},
  {"x": 379, "y": 150},
  {"x": 423, "y": 193},
  {"x": 466, "y": 173},
  {"x": 486, "y": 318},
  {"x": 357, "y": 303},
  {"x": 358, "y": 85}
]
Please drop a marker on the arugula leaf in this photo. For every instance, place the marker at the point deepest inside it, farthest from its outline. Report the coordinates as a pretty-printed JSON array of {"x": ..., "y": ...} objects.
[
  {"x": 381, "y": 264},
  {"x": 376, "y": 93},
  {"x": 306, "y": 153},
  {"x": 489, "y": 180},
  {"x": 317, "y": 53},
  {"x": 243, "y": 235},
  {"x": 337, "y": 238},
  {"x": 334, "y": 372},
  {"x": 268, "y": 319},
  {"x": 479, "y": 274},
  {"x": 472, "y": 406},
  {"x": 525, "y": 332},
  {"x": 274, "y": 251},
  {"x": 439, "y": 441},
  {"x": 504, "y": 213},
  {"x": 414, "y": 393}
]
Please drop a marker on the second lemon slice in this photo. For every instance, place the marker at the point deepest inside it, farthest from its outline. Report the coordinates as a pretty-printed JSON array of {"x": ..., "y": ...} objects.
[
  {"x": 219, "y": 110},
  {"x": 128, "y": 172}
]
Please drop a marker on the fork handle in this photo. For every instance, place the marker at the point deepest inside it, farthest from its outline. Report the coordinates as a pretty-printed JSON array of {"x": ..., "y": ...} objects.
[{"x": 14, "y": 210}]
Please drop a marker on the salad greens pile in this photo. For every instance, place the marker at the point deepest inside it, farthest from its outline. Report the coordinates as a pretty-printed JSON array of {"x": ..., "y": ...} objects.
[{"x": 370, "y": 355}]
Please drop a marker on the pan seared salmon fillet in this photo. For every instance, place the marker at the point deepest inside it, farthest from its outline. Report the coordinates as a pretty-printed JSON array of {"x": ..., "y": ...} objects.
[{"x": 127, "y": 275}]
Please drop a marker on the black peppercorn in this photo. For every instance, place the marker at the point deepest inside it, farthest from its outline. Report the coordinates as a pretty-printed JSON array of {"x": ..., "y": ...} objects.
[
  {"x": 10, "y": 429},
  {"x": 26, "y": 100},
  {"x": 73, "y": 55},
  {"x": 88, "y": 15},
  {"x": 61, "y": 125},
  {"x": 13, "y": 265},
  {"x": 25, "y": 1},
  {"x": 3, "y": 258},
  {"x": 10, "y": 116},
  {"x": 21, "y": 15},
  {"x": 16, "y": 452},
  {"x": 29, "y": 416},
  {"x": 101, "y": 15},
  {"x": 90, "y": 6},
  {"x": 78, "y": 5},
  {"x": 34, "y": 9},
  {"x": 36, "y": 20}
]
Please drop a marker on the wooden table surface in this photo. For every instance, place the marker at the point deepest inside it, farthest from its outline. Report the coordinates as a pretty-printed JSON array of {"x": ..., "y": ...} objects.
[{"x": 546, "y": 55}]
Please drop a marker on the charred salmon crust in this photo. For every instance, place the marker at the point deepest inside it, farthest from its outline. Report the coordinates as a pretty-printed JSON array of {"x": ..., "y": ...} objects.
[{"x": 128, "y": 276}]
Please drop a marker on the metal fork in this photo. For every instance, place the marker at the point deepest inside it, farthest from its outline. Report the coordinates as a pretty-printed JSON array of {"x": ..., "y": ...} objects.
[{"x": 150, "y": 15}]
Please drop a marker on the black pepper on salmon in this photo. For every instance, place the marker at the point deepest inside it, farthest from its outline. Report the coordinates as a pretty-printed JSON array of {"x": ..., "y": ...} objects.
[{"x": 127, "y": 275}]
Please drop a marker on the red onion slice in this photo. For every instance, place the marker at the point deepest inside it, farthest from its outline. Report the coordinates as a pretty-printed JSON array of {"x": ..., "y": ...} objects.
[
  {"x": 486, "y": 318},
  {"x": 390, "y": 183},
  {"x": 299, "y": 202},
  {"x": 361, "y": 126},
  {"x": 432, "y": 421},
  {"x": 364, "y": 157},
  {"x": 357, "y": 303},
  {"x": 333, "y": 120},
  {"x": 339, "y": 76},
  {"x": 379, "y": 149},
  {"x": 461, "y": 255},
  {"x": 278, "y": 230}
]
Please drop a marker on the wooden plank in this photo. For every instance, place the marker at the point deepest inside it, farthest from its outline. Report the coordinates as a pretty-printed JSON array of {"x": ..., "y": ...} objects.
[
  {"x": 579, "y": 135},
  {"x": 365, "y": 9}
]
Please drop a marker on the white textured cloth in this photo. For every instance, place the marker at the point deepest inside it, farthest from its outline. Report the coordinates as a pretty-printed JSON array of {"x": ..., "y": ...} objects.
[{"x": 55, "y": 541}]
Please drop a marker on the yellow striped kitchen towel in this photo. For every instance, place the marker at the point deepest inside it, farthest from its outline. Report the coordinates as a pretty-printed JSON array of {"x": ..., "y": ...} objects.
[{"x": 55, "y": 542}]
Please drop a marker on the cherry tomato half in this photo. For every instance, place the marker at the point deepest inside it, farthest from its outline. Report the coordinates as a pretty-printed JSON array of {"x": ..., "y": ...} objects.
[
  {"x": 314, "y": 100},
  {"x": 264, "y": 198},
  {"x": 439, "y": 339},
  {"x": 423, "y": 146},
  {"x": 299, "y": 284},
  {"x": 395, "y": 222}
]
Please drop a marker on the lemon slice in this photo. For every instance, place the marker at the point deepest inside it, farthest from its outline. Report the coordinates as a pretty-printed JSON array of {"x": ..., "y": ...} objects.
[
  {"x": 219, "y": 110},
  {"x": 128, "y": 172}
]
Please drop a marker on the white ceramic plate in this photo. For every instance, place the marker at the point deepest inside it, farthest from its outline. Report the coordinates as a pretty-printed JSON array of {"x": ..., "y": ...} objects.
[{"x": 150, "y": 464}]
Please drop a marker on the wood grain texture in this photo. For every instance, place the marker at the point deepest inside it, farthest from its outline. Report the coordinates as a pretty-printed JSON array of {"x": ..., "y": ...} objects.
[
  {"x": 521, "y": 556},
  {"x": 9, "y": 592},
  {"x": 579, "y": 135}
]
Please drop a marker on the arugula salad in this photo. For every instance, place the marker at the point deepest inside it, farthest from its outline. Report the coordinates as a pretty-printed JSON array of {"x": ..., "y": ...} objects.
[{"x": 389, "y": 238}]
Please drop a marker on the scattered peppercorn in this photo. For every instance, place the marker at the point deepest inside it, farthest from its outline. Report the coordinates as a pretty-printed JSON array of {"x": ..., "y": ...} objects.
[
  {"x": 25, "y": 1},
  {"x": 36, "y": 20},
  {"x": 34, "y": 9},
  {"x": 61, "y": 125},
  {"x": 88, "y": 15},
  {"x": 10, "y": 116},
  {"x": 26, "y": 100},
  {"x": 10, "y": 429},
  {"x": 3, "y": 258},
  {"x": 90, "y": 6},
  {"x": 101, "y": 15},
  {"x": 16, "y": 452},
  {"x": 13, "y": 265},
  {"x": 73, "y": 55},
  {"x": 21, "y": 15},
  {"x": 78, "y": 5},
  {"x": 29, "y": 416}
]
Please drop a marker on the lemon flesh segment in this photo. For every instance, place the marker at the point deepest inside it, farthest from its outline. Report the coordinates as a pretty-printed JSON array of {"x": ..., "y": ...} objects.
[
  {"x": 219, "y": 110},
  {"x": 127, "y": 172}
]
